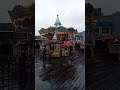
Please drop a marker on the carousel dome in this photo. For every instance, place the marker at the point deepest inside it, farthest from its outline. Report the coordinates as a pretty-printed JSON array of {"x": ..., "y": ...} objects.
[{"x": 57, "y": 22}]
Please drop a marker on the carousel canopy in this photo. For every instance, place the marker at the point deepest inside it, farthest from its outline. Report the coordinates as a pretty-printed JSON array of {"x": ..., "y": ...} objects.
[
  {"x": 23, "y": 16},
  {"x": 62, "y": 29},
  {"x": 21, "y": 11}
]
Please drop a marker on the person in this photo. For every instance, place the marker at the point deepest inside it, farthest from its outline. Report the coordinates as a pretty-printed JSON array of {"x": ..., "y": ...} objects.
[
  {"x": 44, "y": 56},
  {"x": 71, "y": 49}
]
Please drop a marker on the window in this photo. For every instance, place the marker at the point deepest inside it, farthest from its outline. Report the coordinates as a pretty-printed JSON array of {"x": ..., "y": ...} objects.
[
  {"x": 105, "y": 30},
  {"x": 97, "y": 30}
]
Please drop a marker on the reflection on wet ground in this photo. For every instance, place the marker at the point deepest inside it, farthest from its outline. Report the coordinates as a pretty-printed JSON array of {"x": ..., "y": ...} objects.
[
  {"x": 104, "y": 75},
  {"x": 14, "y": 76},
  {"x": 66, "y": 73}
]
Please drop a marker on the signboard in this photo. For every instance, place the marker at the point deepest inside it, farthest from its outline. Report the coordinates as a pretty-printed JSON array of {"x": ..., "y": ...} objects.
[
  {"x": 103, "y": 24},
  {"x": 55, "y": 50}
]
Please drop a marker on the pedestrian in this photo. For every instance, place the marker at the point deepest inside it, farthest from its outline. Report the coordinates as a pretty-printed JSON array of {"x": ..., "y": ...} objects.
[
  {"x": 71, "y": 49},
  {"x": 44, "y": 56}
]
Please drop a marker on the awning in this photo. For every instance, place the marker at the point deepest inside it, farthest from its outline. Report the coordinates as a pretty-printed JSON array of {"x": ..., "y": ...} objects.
[{"x": 66, "y": 44}]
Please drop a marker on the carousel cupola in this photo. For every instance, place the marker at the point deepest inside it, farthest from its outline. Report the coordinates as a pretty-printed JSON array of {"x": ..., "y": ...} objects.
[{"x": 57, "y": 23}]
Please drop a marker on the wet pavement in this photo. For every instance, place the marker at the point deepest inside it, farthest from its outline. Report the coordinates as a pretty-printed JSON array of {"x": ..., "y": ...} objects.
[
  {"x": 13, "y": 76},
  {"x": 104, "y": 75},
  {"x": 66, "y": 73}
]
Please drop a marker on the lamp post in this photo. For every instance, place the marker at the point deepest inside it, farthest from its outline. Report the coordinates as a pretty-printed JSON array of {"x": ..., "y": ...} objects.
[{"x": 73, "y": 40}]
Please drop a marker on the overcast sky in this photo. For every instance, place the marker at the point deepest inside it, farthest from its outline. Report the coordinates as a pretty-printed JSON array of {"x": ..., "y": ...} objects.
[{"x": 71, "y": 13}]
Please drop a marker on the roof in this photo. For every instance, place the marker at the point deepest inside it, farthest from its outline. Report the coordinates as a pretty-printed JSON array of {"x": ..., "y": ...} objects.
[
  {"x": 21, "y": 11},
  {"x": 61, "y": 28},
  {"x": 78, "y": 35}
]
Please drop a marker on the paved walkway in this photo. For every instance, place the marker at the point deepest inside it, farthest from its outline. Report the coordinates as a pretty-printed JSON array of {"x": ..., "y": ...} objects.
[
  {"x": 61, "y": 74},
  {"x": 104, "y": 75},
  {"x": 13, "y": 76}
]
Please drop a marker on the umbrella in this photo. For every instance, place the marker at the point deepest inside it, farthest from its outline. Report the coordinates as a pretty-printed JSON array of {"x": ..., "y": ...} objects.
[{"x": 67, "y": 44}]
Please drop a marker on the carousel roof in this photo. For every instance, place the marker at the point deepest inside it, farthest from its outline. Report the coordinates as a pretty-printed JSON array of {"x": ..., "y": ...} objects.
[
  {"x": 21, "y": 11},
  {"x": 52, "y": 29},
  {"x": 61, "y": 28},
  {"x": 57, "y": 27}
]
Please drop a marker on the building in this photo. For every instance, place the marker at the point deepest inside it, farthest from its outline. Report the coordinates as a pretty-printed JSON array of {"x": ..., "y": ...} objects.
[
  {"x": 102, "y": 32},
  {"x": 114, "y": 46},
  {"x": 115, "y": 17},
  {"x": 80, "y": 36}
]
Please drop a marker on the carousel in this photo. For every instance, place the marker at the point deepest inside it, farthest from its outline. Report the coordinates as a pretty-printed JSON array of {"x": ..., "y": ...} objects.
[
  {"x": 57, "y": 38},
  {"x": 63, "y": 33},
  {"x": 59, "y": 48}
]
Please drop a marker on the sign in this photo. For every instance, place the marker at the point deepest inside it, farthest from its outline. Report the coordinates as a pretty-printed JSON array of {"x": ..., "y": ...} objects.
[{"x": 103, "y": 24}]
